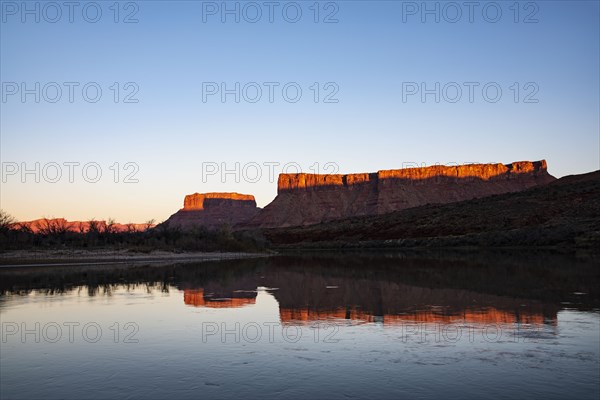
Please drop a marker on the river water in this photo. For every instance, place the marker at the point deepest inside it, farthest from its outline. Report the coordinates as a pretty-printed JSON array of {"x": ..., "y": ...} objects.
[{"x": 329, "y": 325}]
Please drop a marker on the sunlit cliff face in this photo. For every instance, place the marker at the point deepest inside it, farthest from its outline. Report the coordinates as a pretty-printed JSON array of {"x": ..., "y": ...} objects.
[
  {"x": 199, "y": 201},
  {"x": 484, "y": 172}
]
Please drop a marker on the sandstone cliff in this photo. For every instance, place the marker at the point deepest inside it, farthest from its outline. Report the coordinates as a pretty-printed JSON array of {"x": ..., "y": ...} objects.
[
  {"x": 305, "y": 199},
  {"x": 212, "y": 210},
  {"x": 564, "y": 214}
]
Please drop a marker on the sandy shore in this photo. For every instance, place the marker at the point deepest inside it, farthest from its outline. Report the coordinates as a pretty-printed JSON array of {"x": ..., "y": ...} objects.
[{"x": 40, "y": 258}]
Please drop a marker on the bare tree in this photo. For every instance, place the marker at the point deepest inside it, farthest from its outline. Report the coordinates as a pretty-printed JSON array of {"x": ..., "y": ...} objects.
[
  {"x": 24, "y": 227},
  {"x": 54, "y": 226},
  {"x": 150, "y": 224},
  {"x": 43, "y": 226},
  {"x": 102, "y": 227},
  {"x": 60, "y": 226},
  {"x": 93, "y": 226},
  {"x": 109, "y": 226},
  {"x": 131, "y": 228},
  {"x": 6, "y": 220}
]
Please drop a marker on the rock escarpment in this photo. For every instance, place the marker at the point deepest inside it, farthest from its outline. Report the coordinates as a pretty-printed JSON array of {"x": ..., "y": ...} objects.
[
  {"x": 213, "y": 210},
  {"x": 306, "y": 199}
]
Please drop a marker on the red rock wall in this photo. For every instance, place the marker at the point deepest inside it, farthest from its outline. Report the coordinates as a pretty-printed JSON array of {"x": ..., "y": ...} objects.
[{"x": 305, "y": 199}]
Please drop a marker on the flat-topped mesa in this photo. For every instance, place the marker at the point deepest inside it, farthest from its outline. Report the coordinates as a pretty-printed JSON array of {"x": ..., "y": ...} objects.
[
  {"x": 212, "y": 210},
  {"x": 200, "y": 201},
  {"x": 305, "y": 199}
]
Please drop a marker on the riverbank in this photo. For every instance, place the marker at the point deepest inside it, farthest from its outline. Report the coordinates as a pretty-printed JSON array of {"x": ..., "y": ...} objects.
[{"x": 42, "y": 258}]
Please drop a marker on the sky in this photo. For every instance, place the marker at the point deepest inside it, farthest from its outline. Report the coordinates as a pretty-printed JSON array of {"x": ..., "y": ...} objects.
[{"x": 119, "y": 109}]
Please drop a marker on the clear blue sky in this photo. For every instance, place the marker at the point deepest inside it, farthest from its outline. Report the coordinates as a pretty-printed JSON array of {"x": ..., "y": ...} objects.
[{"x": 373, "y": 49}]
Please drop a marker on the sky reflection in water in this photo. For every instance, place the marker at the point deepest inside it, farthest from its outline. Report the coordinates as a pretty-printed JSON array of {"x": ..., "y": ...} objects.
[{"x": 340, "y": 325}]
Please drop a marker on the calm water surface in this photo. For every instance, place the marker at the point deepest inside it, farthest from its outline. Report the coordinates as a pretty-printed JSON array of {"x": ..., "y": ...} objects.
[{"x": 378, "y": 325}]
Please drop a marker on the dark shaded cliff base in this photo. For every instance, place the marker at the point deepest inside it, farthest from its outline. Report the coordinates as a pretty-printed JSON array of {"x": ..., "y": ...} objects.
[{"x": 564, "y": 213}]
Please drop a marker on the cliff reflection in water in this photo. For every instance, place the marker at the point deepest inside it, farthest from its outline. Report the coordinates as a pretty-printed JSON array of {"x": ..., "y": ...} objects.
[
  {"x": 197, "y": 298},
  {"x": 328, "y": 292},
  {"x": 371, "y": 287}
]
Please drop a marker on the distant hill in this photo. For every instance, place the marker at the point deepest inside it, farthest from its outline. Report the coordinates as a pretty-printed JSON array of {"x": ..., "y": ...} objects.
[
  {"x": 565, "y": 212},
  {"x": 60, "y": 225}
]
